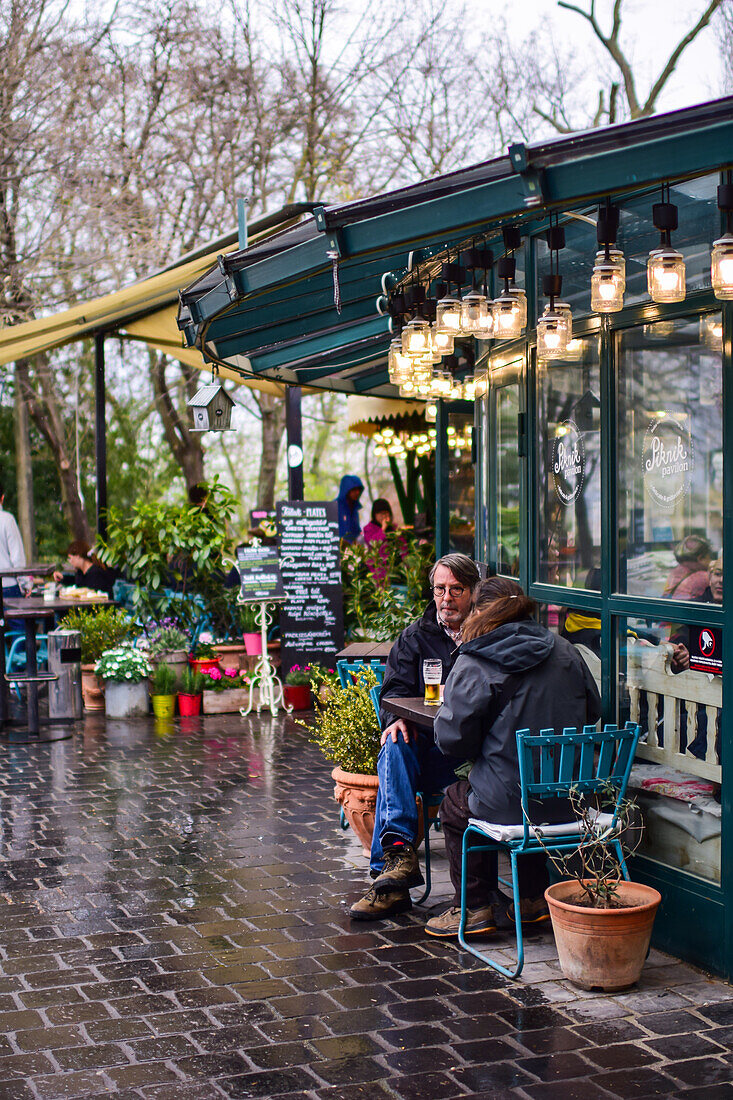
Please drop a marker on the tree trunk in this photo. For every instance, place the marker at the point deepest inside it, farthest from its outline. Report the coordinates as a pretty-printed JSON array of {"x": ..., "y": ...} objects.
[
  {"x": 185, "y": 446},
  {"x": 23, "y": 466},
  {"x": 272, "y": 410}
]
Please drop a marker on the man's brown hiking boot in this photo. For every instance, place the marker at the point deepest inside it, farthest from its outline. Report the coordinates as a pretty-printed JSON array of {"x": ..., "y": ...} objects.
[
  {"x": 401, "y": 869},
  {"x": 378, "y": 906}
]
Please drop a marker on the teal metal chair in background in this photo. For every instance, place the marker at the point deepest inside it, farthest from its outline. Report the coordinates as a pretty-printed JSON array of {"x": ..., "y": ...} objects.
[
  {"x": 349, "y": 671},
  {"x": 551, "y": 765},
  {"x": 428, "y": 802}
]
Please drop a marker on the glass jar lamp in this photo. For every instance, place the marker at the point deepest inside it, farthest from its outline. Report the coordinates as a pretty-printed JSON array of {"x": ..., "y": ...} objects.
[
  {"x": 721, "y": 268},
  {"x": 665, "y": 272}
]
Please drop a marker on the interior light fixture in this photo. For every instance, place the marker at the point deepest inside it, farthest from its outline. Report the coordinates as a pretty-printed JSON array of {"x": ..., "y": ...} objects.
[
  {"x": 608, "y": 281},
  {"x": 721, "y": 260},
  {"x": 665, "y": 268},
  {"x": 509, "y": 310}
]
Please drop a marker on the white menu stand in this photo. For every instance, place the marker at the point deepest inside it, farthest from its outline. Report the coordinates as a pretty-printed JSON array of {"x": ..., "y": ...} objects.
[{"x": 264, "y": 678}]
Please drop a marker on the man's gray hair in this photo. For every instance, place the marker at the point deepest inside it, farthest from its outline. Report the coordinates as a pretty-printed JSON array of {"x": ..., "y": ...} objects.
[{"x": 461, "y": 566}]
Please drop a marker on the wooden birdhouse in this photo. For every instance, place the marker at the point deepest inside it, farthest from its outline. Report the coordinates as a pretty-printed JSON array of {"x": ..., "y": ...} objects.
[{"x": 211, "y": 408}]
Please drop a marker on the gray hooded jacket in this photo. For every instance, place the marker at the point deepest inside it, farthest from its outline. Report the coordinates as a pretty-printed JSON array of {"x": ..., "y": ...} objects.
[{"x": 519, "y": 676}]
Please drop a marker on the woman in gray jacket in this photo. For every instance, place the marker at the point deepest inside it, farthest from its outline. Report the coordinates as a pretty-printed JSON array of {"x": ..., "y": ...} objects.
[{"x": 511, "y": 673}]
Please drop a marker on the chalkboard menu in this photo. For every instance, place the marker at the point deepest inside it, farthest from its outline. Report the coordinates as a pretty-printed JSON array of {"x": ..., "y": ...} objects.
[
  {"x": 259, "y": 571},
  {"x": 312, "y": 620}
]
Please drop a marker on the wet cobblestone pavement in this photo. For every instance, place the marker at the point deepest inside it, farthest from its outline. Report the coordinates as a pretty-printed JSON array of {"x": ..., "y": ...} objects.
[{"x": 172, "y": 925}]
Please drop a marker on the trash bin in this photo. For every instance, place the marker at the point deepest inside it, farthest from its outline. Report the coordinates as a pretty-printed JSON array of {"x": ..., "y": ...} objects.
[{"x": 64, "y": 660}]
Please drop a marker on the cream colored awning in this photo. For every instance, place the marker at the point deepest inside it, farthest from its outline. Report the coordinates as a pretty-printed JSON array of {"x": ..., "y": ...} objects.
[{"x": 365, "y": 415}]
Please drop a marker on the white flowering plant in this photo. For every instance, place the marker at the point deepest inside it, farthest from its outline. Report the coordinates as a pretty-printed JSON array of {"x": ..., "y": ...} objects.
[{"x": 124, "y": 664}]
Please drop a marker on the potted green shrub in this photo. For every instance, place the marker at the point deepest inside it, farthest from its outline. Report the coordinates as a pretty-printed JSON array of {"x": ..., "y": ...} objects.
[
  {"x": 167, "y": 641},
  {"x": 347, "y": 731},
  {"x": 125, "y": 672},
  {"x": 203, "y": 656},
  {"x": 297, "y": 687},
  {"x": 101, "y": 628},
  {"x": 190, "y": 689},
  {"x": 163, "y": 690},
  {"x": 602, "y": 923}
]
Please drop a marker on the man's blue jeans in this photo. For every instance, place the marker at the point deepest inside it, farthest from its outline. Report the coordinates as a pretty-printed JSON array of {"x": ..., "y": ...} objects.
[{"x": 403, "y": 769}]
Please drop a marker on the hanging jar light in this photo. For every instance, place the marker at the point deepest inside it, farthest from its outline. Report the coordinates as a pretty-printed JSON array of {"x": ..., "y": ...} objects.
[
  {"x": 665, "y": 268},
  {"x": 398, "y": 364},
  {"x": 476, "y": 316},
  {"x": 509, "y": 310},
  {"x": 441, "y": 384},
  {"x": 554, "y": 327},
  {"x": 721, "y": 260},
  {"x": 448, "y": 309},
  {"x": 608, "y": 281}
]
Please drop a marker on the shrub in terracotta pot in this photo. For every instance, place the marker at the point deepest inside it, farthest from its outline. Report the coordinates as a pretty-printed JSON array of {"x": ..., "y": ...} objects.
[
  {"x": 347, "y": 731},
  {"x": 101, "y": 628},
  {"x": 602, "y": 922}
]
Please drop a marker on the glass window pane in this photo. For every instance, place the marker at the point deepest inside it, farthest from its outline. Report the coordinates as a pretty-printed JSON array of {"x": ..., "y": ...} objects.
[
  {"x": 507, "y": 475},
  {"x": 677, "y": 773},
  {"x": 670, "y": 455},
  {"x": 569, "y": 453},
  {"x": 461, "y": 484}
]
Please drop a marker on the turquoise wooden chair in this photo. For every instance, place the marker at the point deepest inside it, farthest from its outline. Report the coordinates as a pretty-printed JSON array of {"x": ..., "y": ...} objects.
[
  {"x": 429, "y": 803},
  {"x": 550, "y": 766},
  {"x": 349, "y": 671}
]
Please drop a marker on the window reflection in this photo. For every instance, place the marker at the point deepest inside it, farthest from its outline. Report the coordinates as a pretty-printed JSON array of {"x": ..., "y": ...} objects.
[{"x": 670, "y": 457}]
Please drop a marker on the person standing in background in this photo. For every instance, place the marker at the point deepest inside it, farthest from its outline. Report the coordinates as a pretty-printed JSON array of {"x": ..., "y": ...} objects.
[
  {"x": 12, "y": 552},
  {"x": 350, "y": 490}
]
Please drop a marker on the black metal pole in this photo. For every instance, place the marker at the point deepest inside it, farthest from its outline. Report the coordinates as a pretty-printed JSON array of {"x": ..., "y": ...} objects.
[
  {"x": 100, "y": 434},
  {"x": 294, "y": 429},
  {"x": 442, "y": 485}
]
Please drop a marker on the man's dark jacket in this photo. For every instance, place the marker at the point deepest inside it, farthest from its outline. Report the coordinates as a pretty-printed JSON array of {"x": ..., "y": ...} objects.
[
  {"x": 403, "y": 678},
  {"x": 519, "y": 676}
]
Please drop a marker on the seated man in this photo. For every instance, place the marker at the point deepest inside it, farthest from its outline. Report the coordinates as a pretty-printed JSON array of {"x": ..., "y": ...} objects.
[{"x": 409, "y": 760}]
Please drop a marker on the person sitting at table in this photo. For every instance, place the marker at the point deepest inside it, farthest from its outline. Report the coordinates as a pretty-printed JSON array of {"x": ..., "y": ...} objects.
[
  {"x": 409, "y": 760},
  {"x": 12, "y": 552},
  {"x": 511, "y": 673},
  {"x": 88, "y": 569}
]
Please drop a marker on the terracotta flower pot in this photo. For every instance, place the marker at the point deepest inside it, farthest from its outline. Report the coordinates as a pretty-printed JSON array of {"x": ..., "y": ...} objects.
[
  {"x": 357, "y": 794},
  {"x": 188, "y": 705},
  {"x": 602, "y": 948},
  {"x": 298, "y": 696},
  {"x": 92, "y": 689},
  {"x": 253, "y": 643}
]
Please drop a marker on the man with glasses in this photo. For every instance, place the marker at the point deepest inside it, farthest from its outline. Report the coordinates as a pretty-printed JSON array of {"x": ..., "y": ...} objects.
[{"x": 409, "y": 759}]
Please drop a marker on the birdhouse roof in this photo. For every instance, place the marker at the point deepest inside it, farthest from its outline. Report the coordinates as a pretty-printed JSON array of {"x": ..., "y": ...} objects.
[{"x": 207, "y": 393}]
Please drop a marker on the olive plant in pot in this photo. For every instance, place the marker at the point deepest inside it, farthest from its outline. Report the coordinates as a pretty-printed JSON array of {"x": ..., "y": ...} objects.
[
  {"x": 346, "y": 730},
  {"x": 125, "y": 671},
  {"x": 602, "y": 922},
  {"x": 101, "y": 629},
  {"x": 190, "y": 690},
  {"x": 163, "y": 690}
]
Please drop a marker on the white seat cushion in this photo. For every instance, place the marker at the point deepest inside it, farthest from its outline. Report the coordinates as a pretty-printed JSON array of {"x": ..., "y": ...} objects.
[{"x": 506, "y": 833}]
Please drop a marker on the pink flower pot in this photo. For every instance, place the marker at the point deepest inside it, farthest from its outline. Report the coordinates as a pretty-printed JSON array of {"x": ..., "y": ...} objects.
[{"x": 253, "y": 644}]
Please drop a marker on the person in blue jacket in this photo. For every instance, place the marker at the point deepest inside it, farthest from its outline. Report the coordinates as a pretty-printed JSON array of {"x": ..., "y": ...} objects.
[{"x": 348, "y": 501}]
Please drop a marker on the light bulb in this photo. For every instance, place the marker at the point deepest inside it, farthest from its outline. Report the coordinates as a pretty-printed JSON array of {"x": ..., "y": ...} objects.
[
  {"x": 416, "y": 337},
  {"x": 443, "y": 341},
  {"x": 431, "y": 413},
  {"x": 711, "y": 331},
  {"x": 721, "y": 267},
  {"x": 468, "y": 389},
  {"x": 608, "y": 283},
  {"x": 398, "y": 364},
  {"x": 475, "y": 314},
  {"x": 448, "y": 316},
  {"x": 665, "y": 271},
  {"x": 552, "y": 335},
  {"x": 509, "y": 312}
]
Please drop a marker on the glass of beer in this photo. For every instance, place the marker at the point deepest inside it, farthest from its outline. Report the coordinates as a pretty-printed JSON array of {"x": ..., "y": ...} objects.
[{"x": 432, "y": 672}]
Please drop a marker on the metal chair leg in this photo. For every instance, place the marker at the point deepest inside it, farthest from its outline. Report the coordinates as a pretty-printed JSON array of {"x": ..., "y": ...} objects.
[
  {"x": 426, "y": 839},
  {"x": 518, "y": 922},
  {"x": 342, "y": 820}
]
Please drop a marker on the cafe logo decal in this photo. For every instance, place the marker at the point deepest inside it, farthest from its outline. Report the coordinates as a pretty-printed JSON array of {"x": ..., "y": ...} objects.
[
  {"x": 667, "y": 461},
  {"x": 567, "y": 462}
]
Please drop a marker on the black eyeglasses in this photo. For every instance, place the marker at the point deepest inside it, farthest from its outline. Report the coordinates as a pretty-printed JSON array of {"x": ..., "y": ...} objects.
[{"x": 455, "y": 590}]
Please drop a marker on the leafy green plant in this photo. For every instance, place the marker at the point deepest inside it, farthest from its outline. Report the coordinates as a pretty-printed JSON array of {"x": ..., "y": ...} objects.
[
  {"x": 191, "y": 683},
  {"x": 167, "y": 637},
  {"x": 345, "y": 727},
  {"x": 218, "y": 680},
  {"x": 174, "y": 555},
  {"x": 163, "y": 680},
  {"x": 203, "y": 649},
  {"x": 244, "y": 615},
  {"x": 385, "y": 586},
  {"x": 124, "y": 665},
  {"x": 299, "y": 676},
  {"x": 101, "y": 628}
]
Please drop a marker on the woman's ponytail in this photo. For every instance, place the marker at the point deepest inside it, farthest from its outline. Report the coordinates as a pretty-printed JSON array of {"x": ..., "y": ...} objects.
[{"x": 496, "y": 601}]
